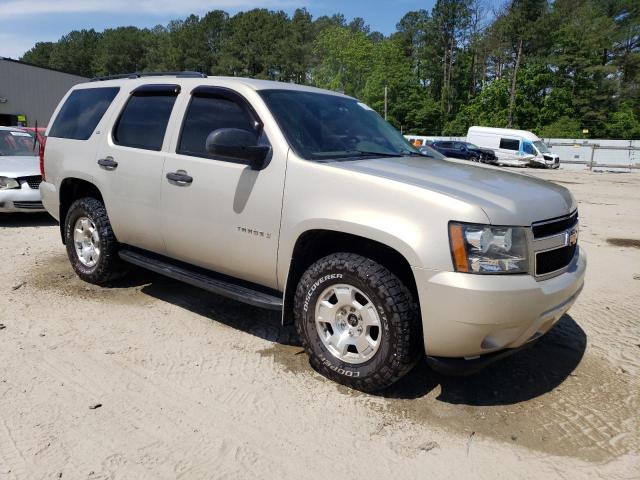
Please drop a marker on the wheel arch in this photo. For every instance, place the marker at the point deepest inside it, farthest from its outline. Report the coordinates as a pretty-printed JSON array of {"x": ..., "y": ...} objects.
[
  {"x": 313, "y": 244},
  {"x": 71, "y": 189}
]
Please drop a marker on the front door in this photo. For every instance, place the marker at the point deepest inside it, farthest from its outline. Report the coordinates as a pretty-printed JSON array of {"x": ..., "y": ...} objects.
[{"x": 221, "y": 214}]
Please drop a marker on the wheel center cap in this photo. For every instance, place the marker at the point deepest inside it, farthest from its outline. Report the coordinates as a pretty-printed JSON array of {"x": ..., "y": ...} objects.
[{"x": 352, "y": 319}]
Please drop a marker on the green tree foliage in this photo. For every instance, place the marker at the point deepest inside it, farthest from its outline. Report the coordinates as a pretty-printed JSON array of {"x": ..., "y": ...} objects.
[
  {"x": 553, "y": 67},
  {"x": 563, "y": 127},
  {"x": 40, "y": 54},
  {"x": 75, "y": 52}
]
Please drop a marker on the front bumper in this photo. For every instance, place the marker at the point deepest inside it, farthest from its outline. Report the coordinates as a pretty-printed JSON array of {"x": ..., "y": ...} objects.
[
  {"x": 24, "y": 199},
  {"x": 466, "y": 316}
]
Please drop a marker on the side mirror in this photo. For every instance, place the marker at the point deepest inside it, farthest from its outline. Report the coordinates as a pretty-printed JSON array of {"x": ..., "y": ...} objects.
[{"x": 238, "y": 144}]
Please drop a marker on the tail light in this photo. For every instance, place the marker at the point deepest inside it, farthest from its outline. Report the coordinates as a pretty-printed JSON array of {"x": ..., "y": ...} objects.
[{"x": 43, "y": 141}]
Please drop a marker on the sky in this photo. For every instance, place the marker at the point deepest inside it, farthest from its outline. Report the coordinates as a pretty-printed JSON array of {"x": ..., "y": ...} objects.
[{"x": 25, "y": 22}]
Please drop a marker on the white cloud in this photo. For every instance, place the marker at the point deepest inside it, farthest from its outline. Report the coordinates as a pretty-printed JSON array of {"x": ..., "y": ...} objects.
[{"x": 20, "y": 8}]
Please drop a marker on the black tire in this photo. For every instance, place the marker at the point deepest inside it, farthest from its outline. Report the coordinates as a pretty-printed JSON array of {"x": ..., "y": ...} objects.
[
  {"x": 108, "y": 266},
  {"x": 401, "y": 336}
]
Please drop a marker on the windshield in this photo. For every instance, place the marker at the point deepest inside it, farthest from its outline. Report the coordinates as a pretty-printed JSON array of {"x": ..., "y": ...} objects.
[
  {"x": 471, "y": 145},
  {"x": 324, "y": 127},
  {"x": 17, "y": 143},
  {"x": 541, "y": 146}
]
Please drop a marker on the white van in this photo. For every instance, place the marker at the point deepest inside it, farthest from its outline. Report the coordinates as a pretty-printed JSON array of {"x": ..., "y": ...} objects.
[{"x": 514, "y": 147}]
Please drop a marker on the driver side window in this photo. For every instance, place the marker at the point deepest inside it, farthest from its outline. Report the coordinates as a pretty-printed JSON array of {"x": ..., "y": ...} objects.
[
  {"x": 528, "y": 148},
  {"x": 206, "y": 114}
]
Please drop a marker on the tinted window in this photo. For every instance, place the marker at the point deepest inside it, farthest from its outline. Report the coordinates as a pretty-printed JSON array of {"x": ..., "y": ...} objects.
[
  {"x": 509, "y": 144},
  {"x": 81, "y": 113},
  {"x": 206, "y": 114},
  {"x": 143, "y": 121},
  {"x": 528, "y": 148},
  {"x": 324, "y": 127}
]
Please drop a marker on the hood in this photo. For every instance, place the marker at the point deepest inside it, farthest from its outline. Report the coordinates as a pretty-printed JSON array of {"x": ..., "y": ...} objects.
[
  {"x": 15, "y": 167},
  {"x": 507, "y": 198}
]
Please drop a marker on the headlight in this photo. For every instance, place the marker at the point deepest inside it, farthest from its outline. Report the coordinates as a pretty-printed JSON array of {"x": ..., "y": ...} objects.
[
  {"x": 487, "y": 249},
  {"x": 6, "y": 183}
]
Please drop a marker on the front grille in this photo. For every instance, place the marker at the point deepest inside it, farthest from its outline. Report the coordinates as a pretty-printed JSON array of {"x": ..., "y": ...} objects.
[
  {"x": 552, "y": 260},
  {"x": 33, "y": 181},
  {"x": 28, "y": 205},
  {"x": 554, "y": 225}
]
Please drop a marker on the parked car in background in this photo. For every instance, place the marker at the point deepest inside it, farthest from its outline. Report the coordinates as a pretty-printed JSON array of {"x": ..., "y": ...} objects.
[
  {"x": 514, "y": 147},
  {"x": 19, "y": 171},
  {"x": 431, "y": 152},
  {"x": 465, "y": 151},
  {"x": 38, "y": 131},
  {"x": 304, "y": 200}
]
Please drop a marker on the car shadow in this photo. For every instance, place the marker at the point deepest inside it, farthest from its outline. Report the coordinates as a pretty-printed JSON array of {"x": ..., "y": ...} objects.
[
  {"x": 20, "y": 220},
  {"x": 265, "y": 324},
  {"x": 525, "y": 375}
]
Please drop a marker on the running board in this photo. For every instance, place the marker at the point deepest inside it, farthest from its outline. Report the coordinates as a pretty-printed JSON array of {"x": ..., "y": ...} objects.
[{"x": 240, "y": 291}]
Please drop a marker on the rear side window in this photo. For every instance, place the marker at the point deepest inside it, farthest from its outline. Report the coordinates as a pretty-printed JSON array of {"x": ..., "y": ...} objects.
[
  {"x": 143, "y": 121},
  {"x": 82, "y": 112},
  {"x": 206, "y": 114},
  {"x": 509, "y": 144}
]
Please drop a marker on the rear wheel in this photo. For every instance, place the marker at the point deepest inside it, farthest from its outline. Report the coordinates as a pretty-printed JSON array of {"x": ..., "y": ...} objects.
[
  {"x": 91, "y": 243},
  {"x": 357, "y": 322}
]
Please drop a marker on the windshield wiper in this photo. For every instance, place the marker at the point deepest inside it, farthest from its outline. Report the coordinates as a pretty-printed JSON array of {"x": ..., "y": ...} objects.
[{"x": 381, "y": 154}]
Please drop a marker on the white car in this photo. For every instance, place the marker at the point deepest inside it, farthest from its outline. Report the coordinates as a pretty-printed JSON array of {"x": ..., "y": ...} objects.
[{"x": 19, "y": 171}]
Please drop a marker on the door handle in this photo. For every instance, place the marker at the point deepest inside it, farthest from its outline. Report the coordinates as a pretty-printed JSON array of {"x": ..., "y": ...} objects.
[
  {"x": 108, "y": 163},
  {"x": 180, "y": 178}
]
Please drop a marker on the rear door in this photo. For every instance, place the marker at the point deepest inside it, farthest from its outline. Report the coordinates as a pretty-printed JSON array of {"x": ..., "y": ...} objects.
[
  {"x": 459, "y": 150},
  {"x": 130, "y": 162},
  {"x": 449, "y": 150},
  {"x": 226, "y": 216}
]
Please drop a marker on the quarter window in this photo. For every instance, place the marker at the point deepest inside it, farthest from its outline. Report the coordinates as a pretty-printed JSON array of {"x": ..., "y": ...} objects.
[
  {"x": 143, "y": 122},
  {"x": 81, "y": 112},
  {"x": 509, "y": 144}
]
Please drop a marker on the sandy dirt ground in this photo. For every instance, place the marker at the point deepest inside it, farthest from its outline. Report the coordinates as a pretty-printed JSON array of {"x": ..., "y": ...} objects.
[{"x": 152, "y": 379}]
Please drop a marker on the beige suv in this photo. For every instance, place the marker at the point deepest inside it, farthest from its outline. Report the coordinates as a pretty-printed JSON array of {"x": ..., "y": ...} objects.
[{"x": 294, "y": 198}]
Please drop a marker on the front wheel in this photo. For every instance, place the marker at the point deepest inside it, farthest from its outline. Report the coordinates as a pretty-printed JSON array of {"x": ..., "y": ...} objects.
[{"x": 357, "y": 322}]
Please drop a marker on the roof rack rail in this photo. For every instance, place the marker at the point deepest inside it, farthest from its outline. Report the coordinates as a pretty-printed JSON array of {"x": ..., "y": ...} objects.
[{"x": 185, "y": 74}]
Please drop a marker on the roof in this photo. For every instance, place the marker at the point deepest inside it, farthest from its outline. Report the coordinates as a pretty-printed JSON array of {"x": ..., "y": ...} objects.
[
  {"x": 20, "y": 62},
  {"x": 505, "y": 131},
  {"x": 192, "y": 80}
]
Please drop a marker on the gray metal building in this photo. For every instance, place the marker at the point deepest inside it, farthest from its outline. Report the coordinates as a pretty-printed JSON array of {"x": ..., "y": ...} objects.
[{"x": 29, "y": 93}]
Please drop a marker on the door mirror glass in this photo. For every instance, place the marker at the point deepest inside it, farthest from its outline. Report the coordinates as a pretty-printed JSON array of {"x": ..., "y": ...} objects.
[{"x": 239, "y": 145}]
